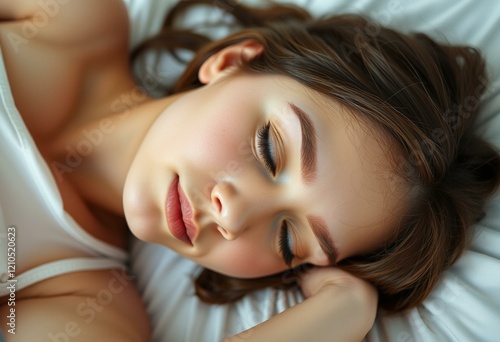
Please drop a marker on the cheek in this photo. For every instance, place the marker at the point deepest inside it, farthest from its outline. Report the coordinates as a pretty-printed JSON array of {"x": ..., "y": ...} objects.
[{"x": 221, "y": 146}]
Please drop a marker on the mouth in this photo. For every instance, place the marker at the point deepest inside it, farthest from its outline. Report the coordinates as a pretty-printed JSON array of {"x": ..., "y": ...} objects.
[{"x": 178, "y": 212}]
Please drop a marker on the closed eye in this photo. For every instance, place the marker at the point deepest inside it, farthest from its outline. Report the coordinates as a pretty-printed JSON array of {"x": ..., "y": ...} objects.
[
  {"x": 266, "y": 149},
  {"x": 286, "y": 244}
]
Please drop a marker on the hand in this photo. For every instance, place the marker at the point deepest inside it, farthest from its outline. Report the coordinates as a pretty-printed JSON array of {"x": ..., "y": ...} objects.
[
  {"x": 338, "y": 305},
  {"x": 343, "y": 283}
]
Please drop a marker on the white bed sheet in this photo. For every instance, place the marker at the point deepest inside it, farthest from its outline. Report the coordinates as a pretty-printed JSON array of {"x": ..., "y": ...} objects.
[{"x": 465, "y": 305}]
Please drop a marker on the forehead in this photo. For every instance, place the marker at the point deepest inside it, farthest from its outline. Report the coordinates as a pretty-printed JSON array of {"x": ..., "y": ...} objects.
[{"x": 354, "y": 189}]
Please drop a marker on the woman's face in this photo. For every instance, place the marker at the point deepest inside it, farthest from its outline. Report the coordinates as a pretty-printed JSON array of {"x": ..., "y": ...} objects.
[{"x": 262, "y": 172}]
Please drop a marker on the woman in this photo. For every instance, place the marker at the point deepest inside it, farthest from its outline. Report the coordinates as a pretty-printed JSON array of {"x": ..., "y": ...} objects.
[{"x": 316, "y": 168}]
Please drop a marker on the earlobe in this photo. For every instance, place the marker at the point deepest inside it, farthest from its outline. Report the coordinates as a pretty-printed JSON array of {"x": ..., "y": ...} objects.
[{"x": 227, "y": 59}]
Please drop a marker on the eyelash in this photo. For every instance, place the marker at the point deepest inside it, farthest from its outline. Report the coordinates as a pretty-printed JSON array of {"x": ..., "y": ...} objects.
[
  {"x": 265, "y": 149},
  {"x": 284, "y": 243}
]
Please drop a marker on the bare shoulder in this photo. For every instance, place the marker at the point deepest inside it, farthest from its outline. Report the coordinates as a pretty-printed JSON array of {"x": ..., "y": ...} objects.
[
  {"x": 61, "y": 56},
  {"x": 65, "y": 21},
  {"x": 82, "y": 306}
]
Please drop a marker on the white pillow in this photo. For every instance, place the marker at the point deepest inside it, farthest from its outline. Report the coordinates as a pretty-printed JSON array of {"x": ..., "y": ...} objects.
[{"x": 464, "y": 306}]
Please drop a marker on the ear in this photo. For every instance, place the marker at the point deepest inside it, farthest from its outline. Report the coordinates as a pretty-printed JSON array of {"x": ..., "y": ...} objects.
[{"x": 228, "y": 58}]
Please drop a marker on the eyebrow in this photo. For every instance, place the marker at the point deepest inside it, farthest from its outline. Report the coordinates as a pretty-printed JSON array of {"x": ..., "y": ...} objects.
[
  {"x": 308, "y": 146},
  {"x": 320, "y": 230}
]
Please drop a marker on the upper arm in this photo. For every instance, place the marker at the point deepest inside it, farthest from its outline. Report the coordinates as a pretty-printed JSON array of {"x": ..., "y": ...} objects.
[
  {"x": 54, "y": 56},
  {"x": 68, "y": 21},
  {"x": 18, "y": 9},
  {"x": 111, "y": 310}
]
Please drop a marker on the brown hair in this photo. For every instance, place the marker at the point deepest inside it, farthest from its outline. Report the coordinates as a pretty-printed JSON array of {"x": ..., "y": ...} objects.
[{"x": 422, "y": 95}]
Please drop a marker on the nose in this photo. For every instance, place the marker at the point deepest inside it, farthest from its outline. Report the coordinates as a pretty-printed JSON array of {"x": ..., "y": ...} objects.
[{"x": 234, "y": 211}]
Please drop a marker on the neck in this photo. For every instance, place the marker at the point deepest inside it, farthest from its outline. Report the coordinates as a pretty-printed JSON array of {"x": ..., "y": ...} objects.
[{"x": 95, "y": 157}]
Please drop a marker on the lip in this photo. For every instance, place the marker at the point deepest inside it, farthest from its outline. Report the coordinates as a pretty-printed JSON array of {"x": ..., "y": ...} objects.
[{"x": 178, "y": 212}]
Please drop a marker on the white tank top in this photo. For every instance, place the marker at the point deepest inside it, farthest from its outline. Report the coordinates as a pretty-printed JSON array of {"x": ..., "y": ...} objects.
[{"x": 34, "y": 228}]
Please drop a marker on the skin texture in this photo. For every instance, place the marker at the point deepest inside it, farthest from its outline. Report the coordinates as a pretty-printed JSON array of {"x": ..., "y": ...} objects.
[{"x": 85, "y": 89}]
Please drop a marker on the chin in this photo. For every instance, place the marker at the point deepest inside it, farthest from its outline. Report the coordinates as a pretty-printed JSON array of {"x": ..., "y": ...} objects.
[
  {"x": 141, "y": 229},
  {"x": 142, "y": 218},
  {"x": 143, "y": 224}
]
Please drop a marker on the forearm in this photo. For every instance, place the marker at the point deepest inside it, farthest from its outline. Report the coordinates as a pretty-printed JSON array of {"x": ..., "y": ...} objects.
[{"x": 332, "y": 314}]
